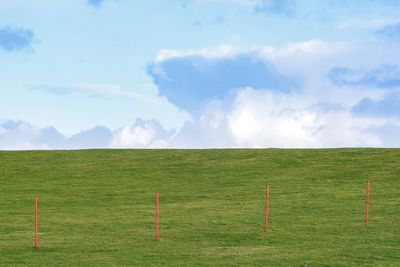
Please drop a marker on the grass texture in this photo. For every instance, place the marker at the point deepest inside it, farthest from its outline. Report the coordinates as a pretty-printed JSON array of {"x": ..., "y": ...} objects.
[{"x": 97, "y": 207}]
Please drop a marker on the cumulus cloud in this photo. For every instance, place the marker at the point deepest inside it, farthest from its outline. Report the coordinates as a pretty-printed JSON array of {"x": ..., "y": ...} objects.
[
  {"x": 265, "y": 119},
  {"x": 310, "y": 113},
  {"x": 20, "y": 135},
  {"x": 143, "y": 133},
  {"x": 246, "y": 118},
  {"x": 291, "y": 96},
  {"x": 15, "y": 38},
  {"x": 97, "y": 137},
  {"x": 190, "y": 80},
  {"x": 16, "y": 135},
  {"x": 260, "y": 118},
  {"x": 209, "y": 130}
]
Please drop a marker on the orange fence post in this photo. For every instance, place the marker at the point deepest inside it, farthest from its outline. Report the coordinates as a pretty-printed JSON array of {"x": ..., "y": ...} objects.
[
  {"x": 157, "y": 217},
  {"x": 266, "y": 207},
  {"x": 36, "y": 224},
  {"x": 367, "y": 204}
]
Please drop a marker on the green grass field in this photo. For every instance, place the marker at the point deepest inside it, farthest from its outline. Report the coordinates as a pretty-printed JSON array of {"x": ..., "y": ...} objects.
[{"x": 96, "y": 207}]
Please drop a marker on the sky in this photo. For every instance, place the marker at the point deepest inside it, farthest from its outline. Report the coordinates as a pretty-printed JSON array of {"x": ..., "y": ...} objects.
[{"x": 81, "y": 74}]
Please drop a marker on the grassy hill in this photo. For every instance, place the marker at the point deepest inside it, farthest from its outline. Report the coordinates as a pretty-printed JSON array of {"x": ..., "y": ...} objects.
[{"x": 96, "y": 207}]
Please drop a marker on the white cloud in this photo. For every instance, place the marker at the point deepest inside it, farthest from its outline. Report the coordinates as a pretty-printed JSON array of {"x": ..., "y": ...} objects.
[
  {"x": 24, "y": 146},
  {"x": 268, "y": 119},
  {"x": 259, "y": 118},
  {"x": 308, "y": 63},
  {"x": 222, "y": 51},
  {"x": 19, "y": 135},
  {"x": 366, "y": 24},
  {"x": 142, "y": 134},
  {"x": 96, "y": 90},
  {"x": 317, "y": 113},
  {"x": 247, "y": 118}
]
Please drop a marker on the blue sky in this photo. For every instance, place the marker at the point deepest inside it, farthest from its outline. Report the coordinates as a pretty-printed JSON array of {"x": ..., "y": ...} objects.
[{"x": 199, "y": 73}]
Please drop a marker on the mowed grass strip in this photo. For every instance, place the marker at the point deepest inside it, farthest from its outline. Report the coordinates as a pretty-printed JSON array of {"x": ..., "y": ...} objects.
[{"x": 97, "y": 207}]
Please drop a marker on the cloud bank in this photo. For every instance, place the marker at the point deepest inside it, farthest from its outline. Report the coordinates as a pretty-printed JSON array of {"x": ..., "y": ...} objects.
[
  {"x": 309, "y": 94},
  {"x": 20, "y": 135}
]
